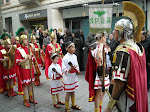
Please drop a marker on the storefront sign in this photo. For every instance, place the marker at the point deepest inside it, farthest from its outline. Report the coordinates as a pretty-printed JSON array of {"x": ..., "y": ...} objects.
[
  {"x": 100, "y": 18},
  {"x": 33, "y": 15}
]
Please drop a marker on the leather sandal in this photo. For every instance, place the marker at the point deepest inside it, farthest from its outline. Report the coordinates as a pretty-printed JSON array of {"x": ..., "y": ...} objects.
[{"x": 76, "y": 107}]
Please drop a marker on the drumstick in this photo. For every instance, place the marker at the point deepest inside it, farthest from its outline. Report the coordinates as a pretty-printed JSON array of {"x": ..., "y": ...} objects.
[
  {"x": 54, "y": 70},
  {"x": 78, "y": 72}
]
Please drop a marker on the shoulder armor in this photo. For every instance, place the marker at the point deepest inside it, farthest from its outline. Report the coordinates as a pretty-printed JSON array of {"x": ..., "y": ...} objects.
[
  {"x": 3, "y": 51},
  {"x": 15, "y": 46},
  {"x": 121, "y": 59}
]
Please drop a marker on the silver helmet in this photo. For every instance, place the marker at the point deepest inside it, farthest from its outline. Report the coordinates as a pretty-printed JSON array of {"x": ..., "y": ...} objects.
[{"x": 125, "y": 27}]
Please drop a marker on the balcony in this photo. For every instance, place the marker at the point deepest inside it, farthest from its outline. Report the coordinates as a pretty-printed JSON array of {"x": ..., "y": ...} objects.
[{"x": 28, "y": 2}]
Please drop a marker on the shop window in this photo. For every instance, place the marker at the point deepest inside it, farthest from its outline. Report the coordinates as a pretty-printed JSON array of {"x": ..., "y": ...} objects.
[
  {"x": 76, "y": 24},
  {"x": 2, "y": 1},
  {"x": 7, "y": 1},
  {"x": 67, "y": 24},
  {"x": 8, "y": 24}
]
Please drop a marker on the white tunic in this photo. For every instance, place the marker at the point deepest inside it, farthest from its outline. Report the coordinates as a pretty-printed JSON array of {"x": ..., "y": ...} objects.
[
  {"x": 98, "y": 81},
  {"x": 70, "y": 80},
  {"x": 56, "y": 85}
]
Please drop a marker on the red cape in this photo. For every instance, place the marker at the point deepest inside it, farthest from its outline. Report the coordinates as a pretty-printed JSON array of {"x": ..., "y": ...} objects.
[
  {"x": 17, "y": 67},
  {"x": 2, "y": 82},
  {"x": 90, "y": 75},
  {"x": 137, "y": 81}
]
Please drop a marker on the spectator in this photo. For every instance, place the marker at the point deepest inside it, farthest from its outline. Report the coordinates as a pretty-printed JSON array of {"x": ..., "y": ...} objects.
[
  {"x": 67, "y": 38},
  {"x": 40, "y": 38},
  {"x": 90, "y": 39},
  {"x": 58, "y": 34},
  {"x": 112, "y": 44},
  {"x": 145, "y": 42},
  {"x": 46, "y": 39},
  {"x": 77, "y": 40},
  {"x": 37, "y": 31}
]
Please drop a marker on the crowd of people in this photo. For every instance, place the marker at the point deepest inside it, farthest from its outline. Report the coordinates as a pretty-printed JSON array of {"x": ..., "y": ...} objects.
[{"x": 115, "y": 62}]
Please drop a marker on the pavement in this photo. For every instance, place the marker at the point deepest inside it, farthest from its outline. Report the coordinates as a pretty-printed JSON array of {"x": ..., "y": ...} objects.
[{"x": 45, "y": 104}]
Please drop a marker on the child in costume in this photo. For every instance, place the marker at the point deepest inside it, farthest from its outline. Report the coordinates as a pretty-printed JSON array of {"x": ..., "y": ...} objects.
[
  {"x": 70, "y": 70},
  {"x": 94, "y": 71},
  {"x": 55, "y": 74}
]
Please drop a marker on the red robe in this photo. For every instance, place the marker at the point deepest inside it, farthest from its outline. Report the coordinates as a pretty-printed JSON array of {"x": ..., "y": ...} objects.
[
  {"x": 1, "y": 47},
  {"x": 24, "y": 76},
  {"x": 2, "y": 82},
  {"x": 48, "y": 61},
  {"x": 42, "y": 53},
  {"x": 15, "y": 82},
  {"x": 12, "y": 72},
  {"x": 137, "y": 81},
  {"x": 90, "y": 75},
  {"x": 18, "y": 45},
  {"x": 37, "y": 55}
]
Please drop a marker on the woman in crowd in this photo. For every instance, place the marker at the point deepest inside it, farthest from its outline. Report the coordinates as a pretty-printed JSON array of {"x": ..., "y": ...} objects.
[
  {"x": 67, "y": 38},
  {"x": 77, "y": 40}
]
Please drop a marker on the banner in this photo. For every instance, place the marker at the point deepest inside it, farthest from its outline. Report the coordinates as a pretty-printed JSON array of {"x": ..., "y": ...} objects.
[{"x": 100, "y": 18}]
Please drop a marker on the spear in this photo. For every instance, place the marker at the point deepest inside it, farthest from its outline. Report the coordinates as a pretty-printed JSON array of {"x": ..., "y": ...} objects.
[
  {"x": 30, "y": 62},
  {"x": 104, "y": 63}
]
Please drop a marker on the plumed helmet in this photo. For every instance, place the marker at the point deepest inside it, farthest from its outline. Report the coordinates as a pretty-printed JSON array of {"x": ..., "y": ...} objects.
[{"x": 131, "y": 27}]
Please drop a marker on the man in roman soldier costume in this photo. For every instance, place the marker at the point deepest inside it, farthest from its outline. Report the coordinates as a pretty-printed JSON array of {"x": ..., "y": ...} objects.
[
  {"x": 129, "y": 64},
  {"x": 38, "y": 62},
  {"x": 53, "y": 47},
  {"x": 22, "y": 59},
  {"x": 8, "y": 69}
]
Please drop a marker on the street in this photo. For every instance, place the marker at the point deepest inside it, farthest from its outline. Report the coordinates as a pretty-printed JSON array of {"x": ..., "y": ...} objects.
[{"x": 45, "y": 104}]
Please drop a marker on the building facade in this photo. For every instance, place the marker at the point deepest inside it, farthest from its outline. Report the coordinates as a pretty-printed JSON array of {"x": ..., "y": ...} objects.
[{"x": 59, "y": 14}]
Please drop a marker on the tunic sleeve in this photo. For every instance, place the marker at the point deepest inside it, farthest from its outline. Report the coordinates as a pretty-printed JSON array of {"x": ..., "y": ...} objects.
[
  {"x": 51, "y": 74},
  {"x": 59, "y": 70},
  {"x": 76, "y": 63},
  {"x": 18, "y": 56},
  {"x": 94, "y": 53},
  {"x": 121, "y": 65},
  {"x": 64, "y": 68},
  {"x": 1, "y": 56},
  {"x": 49, "y": 49}
]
